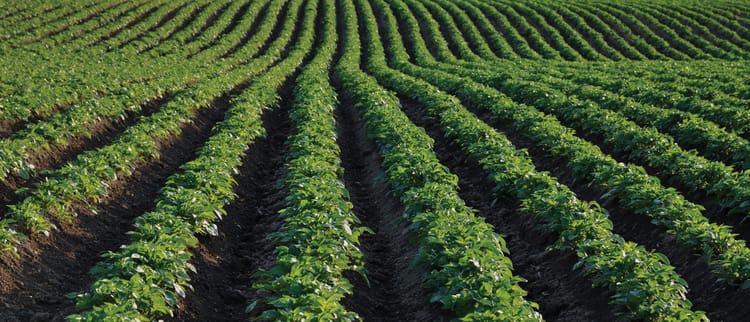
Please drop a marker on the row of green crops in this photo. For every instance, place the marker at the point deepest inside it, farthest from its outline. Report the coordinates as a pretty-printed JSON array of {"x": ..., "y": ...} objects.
[
  {"x": 87, "y": 178},
  {"x": 626, "y": 268},
  {"x": 652, "y": 81},
  {"x": 76, "y": 78},
  {"x": 687, "y": 128},
  {"x": 319, "y": 239},
  {"x": 470, "y": 273},
  {"x": 144, "y": 279},
  {"x": 641, "y": 193},
  {"x": 78, "y": 119}
]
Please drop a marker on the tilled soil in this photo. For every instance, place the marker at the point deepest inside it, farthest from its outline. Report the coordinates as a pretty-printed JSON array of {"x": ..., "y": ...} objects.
[
  {"x": 562, "y": 293},
  {"x": 393, "y": 290},
  {"x": 720, "y": 301},
  {"x": 225, "y": 264},
  {"x": 34, "y": 284}
]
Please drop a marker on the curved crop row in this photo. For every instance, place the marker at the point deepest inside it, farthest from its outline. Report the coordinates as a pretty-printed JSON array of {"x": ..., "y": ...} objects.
[
  {"x": 724, "y": 25},
  {"x": 733, "y": 117},
  {"x": 461, "y": 47},
  {"x": 91, "y": 26},
  {"x": 36, "y": 31},
  {"x": 638, "y": 190},
  {"x": 687, "y": 128},
  {"x": 499, "y": 45},
  {"x": 75, "y": 78},
  {"x": 700, "y": 26},
  {"x": 519, "y": 23},
  {"x": 469, "y": 272},
  {"x": 319, "y": 240},
  {"x": 23, "y": 12},
  {"x": 503, "y": 27},
  {"x": 717, "y": 143},
  {"x": 623, "y": 31},
  {"x": 608, "y": 31},
  {"x": 471, "y": 33},
  {"x": 47, "y": 91},
  {"x": 640, "y": 29},
  {"x": 578, "y": 24},
  {"x": 684, "y": 31},
  {"x": 144, "y": 279},
  {"x": 573, "y": 36},
  {"x": 640, "y": 193},
  {"x": 626, "y": 268},
  {"x": 76, "y": 120},
  {"x": 86, "y": 178},
  {"x": 160, "y": 23},
  {"x": 24, "y": 58},
  {"x": 550, "y": 34}
]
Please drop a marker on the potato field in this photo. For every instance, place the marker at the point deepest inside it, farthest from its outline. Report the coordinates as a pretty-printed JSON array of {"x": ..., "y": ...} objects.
[{"x": 376, "y": 160}]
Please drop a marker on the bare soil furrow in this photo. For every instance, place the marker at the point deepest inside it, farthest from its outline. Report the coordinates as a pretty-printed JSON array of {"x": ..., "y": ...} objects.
[
  {"x": 720, "y": 301},
  {"x": 59, "y": 154},
  {"x": 225, "y": 264},
  {"x": 33, "y": 286},
  {"x": 393, "y": 290},
  {"x": 563, "y": 294}
]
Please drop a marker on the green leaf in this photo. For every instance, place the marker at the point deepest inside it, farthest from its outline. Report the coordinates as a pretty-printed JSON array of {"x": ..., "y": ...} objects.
[{"x": 250, "y": 307}]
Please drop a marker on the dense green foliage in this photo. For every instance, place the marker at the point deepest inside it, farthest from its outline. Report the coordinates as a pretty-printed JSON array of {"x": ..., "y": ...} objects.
[{"x": 646, "y": 102}]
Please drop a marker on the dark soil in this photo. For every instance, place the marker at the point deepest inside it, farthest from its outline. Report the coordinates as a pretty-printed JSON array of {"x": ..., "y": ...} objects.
[
  {"x": 33, "y": 286},
  {"x": 395, "y": 291},
  {"x": 721, "y": 302},
  {"x": 700, "y": 197},
  {"x": 562, "y": 293},
  {"x": 59, "y": 154},
  {"x": 225, "y": 264}
]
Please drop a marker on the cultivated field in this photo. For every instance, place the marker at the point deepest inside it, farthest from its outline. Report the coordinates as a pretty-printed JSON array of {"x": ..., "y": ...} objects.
[{"x": 378, "y": 160}]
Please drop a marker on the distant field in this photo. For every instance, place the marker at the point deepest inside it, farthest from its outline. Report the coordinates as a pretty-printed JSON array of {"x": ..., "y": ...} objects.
[{"x": 377, "y": 160}]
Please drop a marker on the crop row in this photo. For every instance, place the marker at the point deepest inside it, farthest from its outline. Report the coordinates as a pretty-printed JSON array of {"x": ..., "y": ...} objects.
[
  {"x": 75, "y": 78},
  {"x": 76, "y": 121},
  {"x": 469, "y": 271},
  {"x": 451, "y": 59},
  {"x": 626, "y": 268},
  {"x": 562, "y": 26},
  {"x": 712, "y": 90},
  {"x": 687, "y": 128},
  {"x": 15, "y": 13},
  {"x": 35, "y": 30},
  {"x": 145, "y": 279},
  {"x": 650, "y": 146},
  {"x": 87, "y": 178},
  {"x": 319, "y": 239},
  {"x": 629, "y": 183}
]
